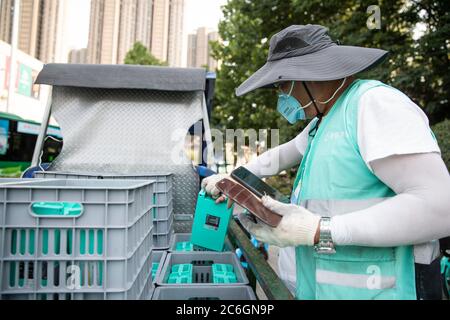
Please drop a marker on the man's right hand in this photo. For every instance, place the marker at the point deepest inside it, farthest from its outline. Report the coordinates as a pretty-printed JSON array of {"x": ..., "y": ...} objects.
[{"x": 209, "y": 185}]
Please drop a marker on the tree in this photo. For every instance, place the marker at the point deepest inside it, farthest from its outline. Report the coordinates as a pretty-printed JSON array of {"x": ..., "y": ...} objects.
[
  {"x": 139, "y": 54},
  {"x": 431, "y": 59},
  {"x": 442, "y": 132},
  {"x": 244, "y": 32}
]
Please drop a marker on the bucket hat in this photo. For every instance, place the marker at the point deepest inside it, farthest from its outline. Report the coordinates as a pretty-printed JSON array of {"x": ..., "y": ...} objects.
[{"x": 307, "y": 53}]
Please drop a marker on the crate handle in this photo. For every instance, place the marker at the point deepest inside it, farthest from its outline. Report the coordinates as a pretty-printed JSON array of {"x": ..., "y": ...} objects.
[{"x": 56, "y": 209}]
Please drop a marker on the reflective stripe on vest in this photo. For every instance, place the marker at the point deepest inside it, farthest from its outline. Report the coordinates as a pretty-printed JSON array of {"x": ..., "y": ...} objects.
[
  {"x": 333, "y": 179},
  {"x": 369, "y": 281}
]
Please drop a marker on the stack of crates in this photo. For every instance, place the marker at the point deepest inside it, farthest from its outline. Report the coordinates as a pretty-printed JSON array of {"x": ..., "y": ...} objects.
[
  {"x": 202, "y": 275},
  {"x": 163, "y": 212},
  {"x": 181, "y": 242},
  {"x": 76, "y": 239},
  {"x": 162, "y": 199}
]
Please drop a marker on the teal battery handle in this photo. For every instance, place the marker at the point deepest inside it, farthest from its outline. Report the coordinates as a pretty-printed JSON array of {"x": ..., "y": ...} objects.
[{"x": 210, "y": 224}]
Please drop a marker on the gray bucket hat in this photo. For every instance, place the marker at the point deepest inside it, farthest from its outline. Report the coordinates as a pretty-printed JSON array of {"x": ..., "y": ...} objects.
[{"x": 307, "y": 53}]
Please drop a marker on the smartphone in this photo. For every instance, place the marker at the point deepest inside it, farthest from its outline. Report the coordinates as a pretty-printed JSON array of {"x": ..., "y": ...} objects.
[
  {"x": 256, "y": 185},
  {"x": 245, "y": 198}
]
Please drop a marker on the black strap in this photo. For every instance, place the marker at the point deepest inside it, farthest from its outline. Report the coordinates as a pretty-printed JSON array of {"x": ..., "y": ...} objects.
[{"x": 313, "y": 131}]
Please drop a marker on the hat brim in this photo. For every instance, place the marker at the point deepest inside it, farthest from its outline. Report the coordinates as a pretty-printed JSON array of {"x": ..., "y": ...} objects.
[{"x": 332, "y": 63}]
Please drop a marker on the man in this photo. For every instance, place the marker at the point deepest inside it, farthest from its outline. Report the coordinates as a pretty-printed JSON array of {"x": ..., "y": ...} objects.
[{"x": 371, "y": 196}]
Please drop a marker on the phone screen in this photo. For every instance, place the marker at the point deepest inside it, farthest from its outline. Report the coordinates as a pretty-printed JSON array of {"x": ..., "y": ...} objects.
[{"x": 256, "y": 185}]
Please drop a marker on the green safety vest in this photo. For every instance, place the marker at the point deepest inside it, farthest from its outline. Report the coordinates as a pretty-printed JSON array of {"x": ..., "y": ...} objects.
[{"x": 333, "y": 179}]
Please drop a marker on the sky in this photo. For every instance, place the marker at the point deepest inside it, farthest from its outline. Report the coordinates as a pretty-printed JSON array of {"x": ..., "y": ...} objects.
[
  {"x": 78, "y": 23},
  {"x": 202, "y": 13},
  {"x": 198, "y": 13}
]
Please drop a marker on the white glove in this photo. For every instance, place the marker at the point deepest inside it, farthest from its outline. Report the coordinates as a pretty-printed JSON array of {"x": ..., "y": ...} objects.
[
  {"x": 209, "y": 184},
  {"x": 297, "y": 227}
]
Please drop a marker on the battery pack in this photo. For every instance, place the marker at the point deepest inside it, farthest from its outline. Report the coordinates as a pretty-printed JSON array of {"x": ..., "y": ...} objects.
[{"x": 210, "y": 224}]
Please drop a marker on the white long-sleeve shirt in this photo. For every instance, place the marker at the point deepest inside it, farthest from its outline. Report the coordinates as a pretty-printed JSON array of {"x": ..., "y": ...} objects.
[{"x": 395, "y": 142}]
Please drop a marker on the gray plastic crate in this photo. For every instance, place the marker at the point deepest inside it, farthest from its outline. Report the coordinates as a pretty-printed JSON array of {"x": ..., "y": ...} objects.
[
  {"x": 204, "y": 293},
  {"x": 184, "y": 237},
  {"x": 158, "y": 257},
  {"x": 162, "y": 241},
  {"x": 163, "y": 212},
  {"x": 144, "y": 284},
  {"x": 202, "y": 265},
  {"x": 16, "y": 180},
  {"x": 162, "y": 196},
  {"x": 106, "y": 245},
  {"x": 165, "y": 227},
  {"x": 151, "y": 292},
  {"x": 161, "y": 227},
  {"x": 163, "y": 180},
  {"x": 142, "y": 288}
]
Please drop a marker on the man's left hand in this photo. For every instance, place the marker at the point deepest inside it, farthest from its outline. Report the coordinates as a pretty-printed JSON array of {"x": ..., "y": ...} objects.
[{"x": 298, "y": 226}]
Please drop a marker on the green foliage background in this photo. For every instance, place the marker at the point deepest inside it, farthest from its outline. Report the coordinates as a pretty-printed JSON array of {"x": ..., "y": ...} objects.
[
  {"x": 442, "y": 132},
  {"x": 139, "y": 54}
]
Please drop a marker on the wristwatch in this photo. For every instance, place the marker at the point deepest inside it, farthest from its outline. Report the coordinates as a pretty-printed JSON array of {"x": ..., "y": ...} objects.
[{"x": 325, "y": 245}]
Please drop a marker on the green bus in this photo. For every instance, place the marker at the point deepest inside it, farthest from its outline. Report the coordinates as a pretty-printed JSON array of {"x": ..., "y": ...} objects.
[{"x": 17, "y": 140}]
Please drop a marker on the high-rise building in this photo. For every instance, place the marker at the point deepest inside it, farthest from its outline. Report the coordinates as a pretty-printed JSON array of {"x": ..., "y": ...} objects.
[
  {"x": 192, "y": 49},
  {"x": 127, "y": 28},
  {"x": 175, "y": 35},
  {"x": 52, "y": 16},
  {"x": 160, "y": 29},
  {"x": 5, "y": 20},
  {"x": 212, "y": 63},
  {"x": 202, "y": 53},
  {"x": 117, "y": 24},
  {"x": 199, "y": 49},
  {"x": 144, "y": 14},
  {"x": 104, "y": 31},
  {"x": 78, "y": 56},
  {"x": 41, "y": 28},
  {"x": 28, "y": 27}
]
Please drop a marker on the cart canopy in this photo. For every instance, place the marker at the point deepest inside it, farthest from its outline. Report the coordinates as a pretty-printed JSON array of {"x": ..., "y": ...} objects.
[
  {"x": 122, "y": 119},
  {"x": 123, "y": 77}
]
